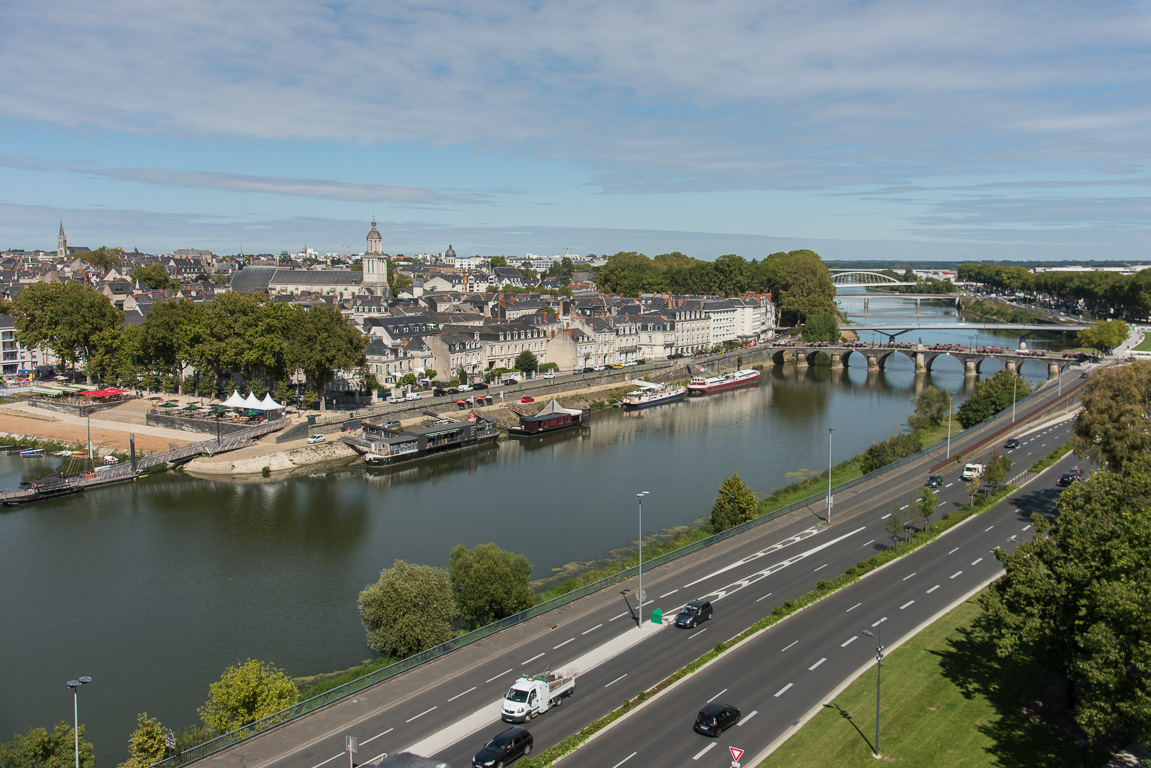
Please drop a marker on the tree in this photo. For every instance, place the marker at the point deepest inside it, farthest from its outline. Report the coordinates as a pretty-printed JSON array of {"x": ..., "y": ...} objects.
[
  {"x": 1077, "y": 598},
  {"x": 1103, "y": 336},
  {"x": 1115, "y": 424},
  {"x": 322, "y": 341},
  {"x": 931, "y": 406},
  {"x": 802, "y": 284},
  {"x": 925, "y": 506},
  {"x": 105, "y": 257},
  {"x": 489, "y": 584},
  {"x": 734, "y": 504},
  {"x": 821, "y": 327},
  {"x": 408, "y": 610},
  {"x": 64, "y": 317},
  {"x": 894, "y": 527},
  {"x": 147, "y": 744},
  {"x": 498, "y": 261},
  {"x": 991, "y": 396},
  {"x": 155, "y": 277},
  {"x": 246, "y": 693},
  {"x": 40, "y": 749},
  {"x": 526, "y": 361},
  {"x": 996, "y": 470},
  {"x": 972, "y": 487},
  {"x": 172, "y": 332}
]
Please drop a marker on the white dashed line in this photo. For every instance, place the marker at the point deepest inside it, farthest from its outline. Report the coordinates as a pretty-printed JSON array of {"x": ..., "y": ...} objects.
[
  {"x": 848, "y": 641},
  {"x": 783, "y": 690},
  {"x": 501, "y": 674},
  {"x": 988, "y": 528},
  {"x": 621, "y": 677},
  {"x": 713, "y": 698},
  {"x": 704, "y": 751},
  {"x": 593, "y": 629},
  {"x": 764, "y": 597},
  {"x": 949, "y": 485},
  {"x": 876, "y": 624},
  {"x": 420, "y": 715},
  {"x": 533, "y": 658},
  {"x": 620, "y": 616},
  {"x": 905, "y": 506},
  {"x": 385, "y": 733},
  {"x": 820, "y": 568},
  {"x": 885, "y": 516},
  {"x": 978, "y": 561},
  {"x": 748, "y": 716},
  {"x": 621, "y": 762},
  {"x": 955, "y": 574},
  {"x": 908, "y": 604},
  {"x": 793, "y": 642},
  {"x": 908, "y": 576},
  {"x": 1027, "y": 527},
  {"x": 933, "y": 589},
  {"x": 869, "y": 542},
  {"x": 816, "y": 664},
  {"x": 952, "y": 552},
  {"x": 700, "y": 632},
  {"x": 561, "y": 645},
  {"x": 666, "y": 594},
  {"x": 852, "y": 608},
  {"x": 456, "y": 696}
]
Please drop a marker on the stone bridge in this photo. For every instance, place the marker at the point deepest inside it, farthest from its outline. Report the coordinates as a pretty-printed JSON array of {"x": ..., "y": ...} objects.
[{"x": 922, "y": 355}]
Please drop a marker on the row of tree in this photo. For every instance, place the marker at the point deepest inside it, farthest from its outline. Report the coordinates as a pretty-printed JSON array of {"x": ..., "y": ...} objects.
[
  {"x": 1102, "y": 292},
  {"x": 798, "y": 280}
]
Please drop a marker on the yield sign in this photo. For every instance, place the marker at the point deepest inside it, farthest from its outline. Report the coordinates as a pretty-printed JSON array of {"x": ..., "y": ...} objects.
[{"x": 736, "y": 753}]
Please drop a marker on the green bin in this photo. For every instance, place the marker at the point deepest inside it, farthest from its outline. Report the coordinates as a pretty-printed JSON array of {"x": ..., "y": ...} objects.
[{"x": 657, "y": 616}]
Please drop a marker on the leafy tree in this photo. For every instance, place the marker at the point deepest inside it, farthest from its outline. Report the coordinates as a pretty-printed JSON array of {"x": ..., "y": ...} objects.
[
  {"x": 972, "y": 487},
  {"x": 734, "y": 504},
  {"x": 931, "y": 406},
  {"x": 991, "y": 396},
  {"x": 488, "y": 583},
  {"x": 246, "y": 693},
  {"x": 64, "y": 317},
  {"x": 408, "y": 610},
  {"x": 890, "y": 450},
  {"x": 801, "y": 284},
  {"x": 147, "y": 744},
  {"x": 996, "y": 470},
  {"x": 172, "y": 332},
  {"x": 498, "y": 261},
  {"x": 629, "y": 274},
  {"x": 40, "y": 749},
  {"x": 925, "y": 506},
  {"x": 155, "y": 277},
  {"x": 1103, "y": 336},
  {"x": 322, "y": 341},
  {"x": 894, "y": 527},
  {"x": 526, "y": 361},
  {"x": 1078, "y": 599},
  {"x": 105, "y": 257},
  {"x": 821, "y": 327},
  {"x": 1115, "y": 424}
]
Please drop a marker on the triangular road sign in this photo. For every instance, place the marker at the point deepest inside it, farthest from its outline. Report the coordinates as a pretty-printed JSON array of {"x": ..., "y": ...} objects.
[{"x": 736, "y": 753}]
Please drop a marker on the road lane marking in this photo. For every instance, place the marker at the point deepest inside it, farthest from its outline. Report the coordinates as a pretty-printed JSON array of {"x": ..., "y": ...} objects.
[
  {"x": 385, "y": 733},
  {"x": 988, "y": 528},
  {"x": 456, "y": 696},
  {"x": 620, "y": 616},
  {"x": 783, "y": 690},
  {"x": 801, "y": 536},
  {"x": 820, "y": 568},
  {"x": 793, "y": 642},
  {"x": 952, "y": 552},
  {"x": 885, "y": 516},
  {"x": 621, "y": 677},
  {"x": 533, "y": 658},
  {"x": 330, "y": 759},
  {"x": 933, "y": 589},
  {"x": 869, "y": 542},
  {"x": 908, "y": 576},
  {"x": 876, "y": 624},
  {"x": 700, "y": 632},
  {"x": 421, "y": 714},
  {"x": 621, "y": 762},
  {"x": 905, "y": 506},
  {"x": 666, "y": 594},
  {"x": 713, "y": 698},
  {"x": 764, "y": 597},
  {"x": 955, "y": 574},
  {"x": 593, "y": 629},
  {"x": 1027, "y": 527},
  {"x": 978, "y": 561},
  {"x": 847, "y": 642},
  {"x": 748, "y": 716},
  {"x": 704, "y": 751},
  {"x": 816, "y": 664},
  {"x": 907, "y": 604},
  {"x": 949, "y": 485},
  {"x": 852, "y": 608},
  {"x": 561, "y": 645},
  {"x": 501, "y": 674}
]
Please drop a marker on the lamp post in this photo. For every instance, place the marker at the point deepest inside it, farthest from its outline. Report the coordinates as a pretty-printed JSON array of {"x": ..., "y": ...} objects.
[
  {"x": 878, "y": 678},
  {"x": 829, "y": 431},
  {"x": 950, "y": 405},
  {"x": 88, "y": 416},
  {"x": 1014, "y": 384},
  {"x": 639, "y": 595},
  {"x": 75, "y": 686}
]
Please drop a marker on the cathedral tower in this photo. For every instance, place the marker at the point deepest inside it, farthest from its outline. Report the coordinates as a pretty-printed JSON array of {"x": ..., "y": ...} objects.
[
  {"x": 61, "y": 243},
  {"x": 375, "y": 263}
]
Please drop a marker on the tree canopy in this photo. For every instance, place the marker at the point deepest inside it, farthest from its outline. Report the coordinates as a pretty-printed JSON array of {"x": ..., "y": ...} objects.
[
  {"x": 991, "y": 396},
  {"x": 1113, "y": 427},
  {"x": 40, "y": 749},
  {"x": 66, "y": 318},
  {"x": 155, "y": 277},
  {"x": 1103, "y": 336},
  {"x": 147, "y": 745},
  {"x": 246, "y": 693},
  {"x": 489, "y": 584},
  {"x": 1078, "y": 599},
  {"x": 931, "y": 405},
  {"x": 821, "y": 327},
  {"x": 408, "y": 610},
  {"x": 734, "y": 504},
  {"x": 105, "y": 257},
  {"x": 526, "y": 361}
]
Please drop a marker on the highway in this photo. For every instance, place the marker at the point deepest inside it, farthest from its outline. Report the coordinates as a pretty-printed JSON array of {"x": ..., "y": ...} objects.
[{"x": 448, "y": 708}]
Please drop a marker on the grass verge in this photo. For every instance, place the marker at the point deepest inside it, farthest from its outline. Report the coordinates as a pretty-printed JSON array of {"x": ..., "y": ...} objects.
[
  {"x": 948, "y": 702},
  {"x": 1050, "y": 458}
]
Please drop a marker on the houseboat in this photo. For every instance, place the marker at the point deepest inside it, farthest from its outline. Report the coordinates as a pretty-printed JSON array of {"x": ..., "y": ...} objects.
[
  {"x": 551, "y": 418},
  {"x": 704, "y": 384},
  {"x": 384, "y": 446},
  {"x": 650, "y": 394}
]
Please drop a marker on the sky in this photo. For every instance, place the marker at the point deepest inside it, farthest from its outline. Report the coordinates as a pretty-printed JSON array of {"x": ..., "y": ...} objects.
[{"x": 901, "y": 129}]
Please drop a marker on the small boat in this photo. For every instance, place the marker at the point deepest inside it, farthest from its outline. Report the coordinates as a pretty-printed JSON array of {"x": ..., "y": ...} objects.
[
  {"x": 551, "y": 417},
  {"x": 31, "y": 453},
  {"x": 705, "y": 384},
  {"x": 650, "y": 394}
]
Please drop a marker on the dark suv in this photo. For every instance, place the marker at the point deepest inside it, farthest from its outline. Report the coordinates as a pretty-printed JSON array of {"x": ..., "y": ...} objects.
[
  {"x": 1011, "y": 444},
  {"x": 934, "y": 481},
  {"x": 715, "y": 718},
  {"x": 693, "y": 613},
  {"x": 1072, "y": 475},
  {"x": 503, "y": 749}
]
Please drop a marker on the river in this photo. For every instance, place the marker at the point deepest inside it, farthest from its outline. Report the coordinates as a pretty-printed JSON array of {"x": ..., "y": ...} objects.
[{"x": 154, "y": 588}]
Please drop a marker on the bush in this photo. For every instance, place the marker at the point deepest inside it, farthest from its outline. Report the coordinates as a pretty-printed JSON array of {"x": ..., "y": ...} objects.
[{"x": 889, "y": 451}]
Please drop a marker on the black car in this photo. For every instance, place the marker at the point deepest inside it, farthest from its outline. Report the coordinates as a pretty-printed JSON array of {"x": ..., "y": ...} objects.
[
  {"x": 1067, "y": 478},
  {"x": 715, "y": 718},
  {"x": 934, "y": 481},
  {"x": 1011, "y": 443},
  {"x": 438, "y": 392},
  {"x": 510, "y": 745},
  {"x": 693, "y": 613},
  {"x": 479, "y": 386},
  {"x": 451, "y": 391}
]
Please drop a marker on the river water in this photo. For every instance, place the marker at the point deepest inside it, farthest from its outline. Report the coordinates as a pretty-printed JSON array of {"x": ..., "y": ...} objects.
[{"x": 154, "y": 588}]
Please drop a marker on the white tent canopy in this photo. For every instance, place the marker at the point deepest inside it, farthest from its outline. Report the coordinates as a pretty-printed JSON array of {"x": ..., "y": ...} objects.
[
  {"x": 235, "y": 401},
  {"x": 251, "y": 402},
  {"x": 268, "y": 404}
]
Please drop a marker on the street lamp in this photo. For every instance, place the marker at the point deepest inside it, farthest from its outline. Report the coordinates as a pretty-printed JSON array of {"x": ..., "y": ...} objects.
[
  {"x": 950, "y": 405},
  {"x": 1014, "y": 383},
  {"x": 878, "y": 678},
  {"x": 75, "y": 686},
  {"x": 829, "y": 431},
  {"x": 639, "y": 601},
  {"x": 88, "y": 416}
]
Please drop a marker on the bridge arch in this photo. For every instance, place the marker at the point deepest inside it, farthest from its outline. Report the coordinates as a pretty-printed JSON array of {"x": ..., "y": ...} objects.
[{"x": 856, "y": 278}]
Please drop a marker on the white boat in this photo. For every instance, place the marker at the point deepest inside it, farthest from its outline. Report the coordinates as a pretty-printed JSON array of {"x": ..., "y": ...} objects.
[
  {"x": 743, "y": 378},
  {"x": 650, "y": 394},
  {"x": 31, "y": 453}
]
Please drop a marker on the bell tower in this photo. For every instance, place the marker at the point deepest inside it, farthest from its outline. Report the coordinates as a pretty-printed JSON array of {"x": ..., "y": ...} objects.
[
  {"x": 61, "y": 243},
  {"x": 375, "y": 263}
]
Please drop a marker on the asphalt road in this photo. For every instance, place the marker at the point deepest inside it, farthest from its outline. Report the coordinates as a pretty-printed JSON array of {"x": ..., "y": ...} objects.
[{"x": 449, "y": 708}]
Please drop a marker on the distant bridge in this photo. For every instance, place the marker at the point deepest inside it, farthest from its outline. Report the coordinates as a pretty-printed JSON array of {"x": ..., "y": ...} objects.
[
  {"x": 858, "y": 278},
  {"x": 921, "y": 355},
  {"x": 1022, "y": 331}
]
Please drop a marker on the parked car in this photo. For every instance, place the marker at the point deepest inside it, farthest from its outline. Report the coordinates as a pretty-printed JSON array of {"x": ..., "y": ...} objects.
[
  {"x": 479, "y": 386},
  {"x": 715, "y": 718},
  {"x": 312, "y": 439},
  {"x": 439, "y": 392},
  {"x": 412, "y": 396},
  {"x": 934, "y": 481},
  {"x": 510, "y": 745},
  {"x": 550, "y": 375},
  {"x": 598, "y": 368},
  {"x": 451, "y": 391},
  {"x": 527, "y": 399},
  {"x": 396, "y": 399},
  {"x": 1011, "y": 444},
  {"x": 393, "y": 424},
  {"x": 693, "y": 613}
]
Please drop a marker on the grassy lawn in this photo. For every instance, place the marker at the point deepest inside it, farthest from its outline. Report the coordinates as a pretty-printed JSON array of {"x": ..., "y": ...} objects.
[
  {"x": 1145, "y": 345},
  {"x": 947, "y": 701}
]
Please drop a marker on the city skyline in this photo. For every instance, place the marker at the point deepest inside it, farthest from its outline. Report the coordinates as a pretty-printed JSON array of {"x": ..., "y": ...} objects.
[{"x": 875, "y": 130}]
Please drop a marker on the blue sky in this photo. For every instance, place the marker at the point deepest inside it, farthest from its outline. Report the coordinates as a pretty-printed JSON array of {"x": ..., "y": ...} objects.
[{"x": 908, "y": 129}]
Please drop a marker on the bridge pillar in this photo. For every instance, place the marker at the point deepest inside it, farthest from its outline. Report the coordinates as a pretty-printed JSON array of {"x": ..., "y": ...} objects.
[
  {"x": 836, "y": 360},
  {"x": 865, "y": 301},
  {"x": 800, "y": 358},
  {"x": 1052, "y": 370},
  {"x": 872, "y": 362},
  {"x": 1011, "y": 365},
  {"x": 969, "y": 368},
  {"x": 920, "y": 363},
  {"x": 917, "y": 300}
]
